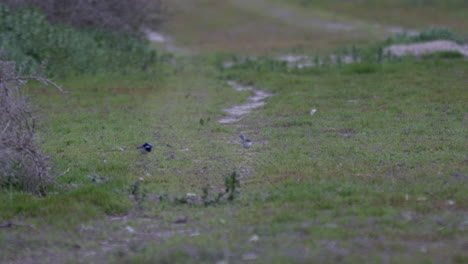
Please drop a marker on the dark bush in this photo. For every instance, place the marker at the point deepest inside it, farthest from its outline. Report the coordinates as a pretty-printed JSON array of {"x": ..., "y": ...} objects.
[{"x": 118, "y": 15}]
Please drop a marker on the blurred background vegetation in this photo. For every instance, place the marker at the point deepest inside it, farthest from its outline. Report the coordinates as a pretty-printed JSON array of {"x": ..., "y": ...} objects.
[{"x": 78, "y": 37}]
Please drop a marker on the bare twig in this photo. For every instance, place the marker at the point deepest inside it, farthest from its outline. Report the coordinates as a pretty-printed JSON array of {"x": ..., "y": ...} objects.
[
  {"x": 9, "y": 224},
  {"x": 62, "y": 174},
  {"x": 5, "y": 129},
  {"x": 43, "y": 80},
  {"x": 433, "y": 195}
]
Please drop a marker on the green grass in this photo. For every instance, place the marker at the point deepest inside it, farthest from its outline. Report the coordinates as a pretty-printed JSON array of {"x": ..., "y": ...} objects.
[
  {"x": 382, "y": 142},
  {"x": 377, "y": 174},
  {"x": 248, "y": 27}
]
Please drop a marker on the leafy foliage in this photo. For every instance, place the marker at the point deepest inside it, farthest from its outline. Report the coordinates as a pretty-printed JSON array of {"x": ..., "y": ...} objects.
[{"x": 29, "y": 39}]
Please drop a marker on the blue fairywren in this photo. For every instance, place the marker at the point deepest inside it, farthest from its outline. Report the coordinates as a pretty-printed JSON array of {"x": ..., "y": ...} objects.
[{"x": 145, "y": 148}]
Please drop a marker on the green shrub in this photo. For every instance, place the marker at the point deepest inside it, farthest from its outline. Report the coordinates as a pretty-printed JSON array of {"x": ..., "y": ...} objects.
[
  {"x": 28, "y": 39},
  {"x": 445, "y": 55},
  {"x": 426, "y": 35},
  {"x": 362, "y": 68}
]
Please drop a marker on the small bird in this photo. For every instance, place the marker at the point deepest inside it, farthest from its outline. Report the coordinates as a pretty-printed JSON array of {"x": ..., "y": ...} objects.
[
  {"x": 246, "y": 142},
  {"x": 145, "y": 148}
]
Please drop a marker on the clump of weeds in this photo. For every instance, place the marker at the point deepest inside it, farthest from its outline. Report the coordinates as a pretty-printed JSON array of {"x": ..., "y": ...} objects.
[{"x": 230, "y": 193}]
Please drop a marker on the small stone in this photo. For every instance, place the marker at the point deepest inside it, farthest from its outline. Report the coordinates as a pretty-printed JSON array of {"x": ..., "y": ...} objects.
[
  {"x": 421, "y": 199},
  {"x": 130, "y": 229},
  {"x": 254, "y": 238},
  {"x": 194, "y": 234}
]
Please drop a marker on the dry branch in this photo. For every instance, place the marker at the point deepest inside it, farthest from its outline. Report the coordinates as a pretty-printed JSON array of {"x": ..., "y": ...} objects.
[{"x": 22, "y": 164}]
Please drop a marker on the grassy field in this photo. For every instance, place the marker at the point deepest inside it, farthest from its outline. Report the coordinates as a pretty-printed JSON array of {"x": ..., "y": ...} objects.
[
  {"x": 413, "y": 14},
  {"x": 378, "y": 174},
  {"x": 251, "y": 27}
]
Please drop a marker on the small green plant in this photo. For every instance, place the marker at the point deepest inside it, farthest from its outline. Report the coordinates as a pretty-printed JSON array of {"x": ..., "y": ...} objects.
[
  {"x": 445, "y": 55},
  {"x": 137, "y": 192},
  {"x": 232, "y": 184},
  {"x": 231, "y": 191},
  {"x": 207, "y": 199},
  {"x": 204, "y": 121}
]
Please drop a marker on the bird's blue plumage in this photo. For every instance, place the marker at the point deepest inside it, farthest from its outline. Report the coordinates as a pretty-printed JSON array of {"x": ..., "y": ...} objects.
[{"x": 145, "y": 148}]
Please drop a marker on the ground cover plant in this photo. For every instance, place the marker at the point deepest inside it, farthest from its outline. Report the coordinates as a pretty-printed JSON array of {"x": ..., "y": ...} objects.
[{"x": 351, "y": 163}]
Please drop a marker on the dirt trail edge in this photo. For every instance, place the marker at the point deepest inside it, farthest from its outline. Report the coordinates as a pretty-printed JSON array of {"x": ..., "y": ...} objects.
[{"x": 255, "y": 101}]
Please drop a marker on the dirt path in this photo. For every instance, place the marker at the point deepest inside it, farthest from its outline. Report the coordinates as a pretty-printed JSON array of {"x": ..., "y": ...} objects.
[{"x": 235, "y": 113}]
